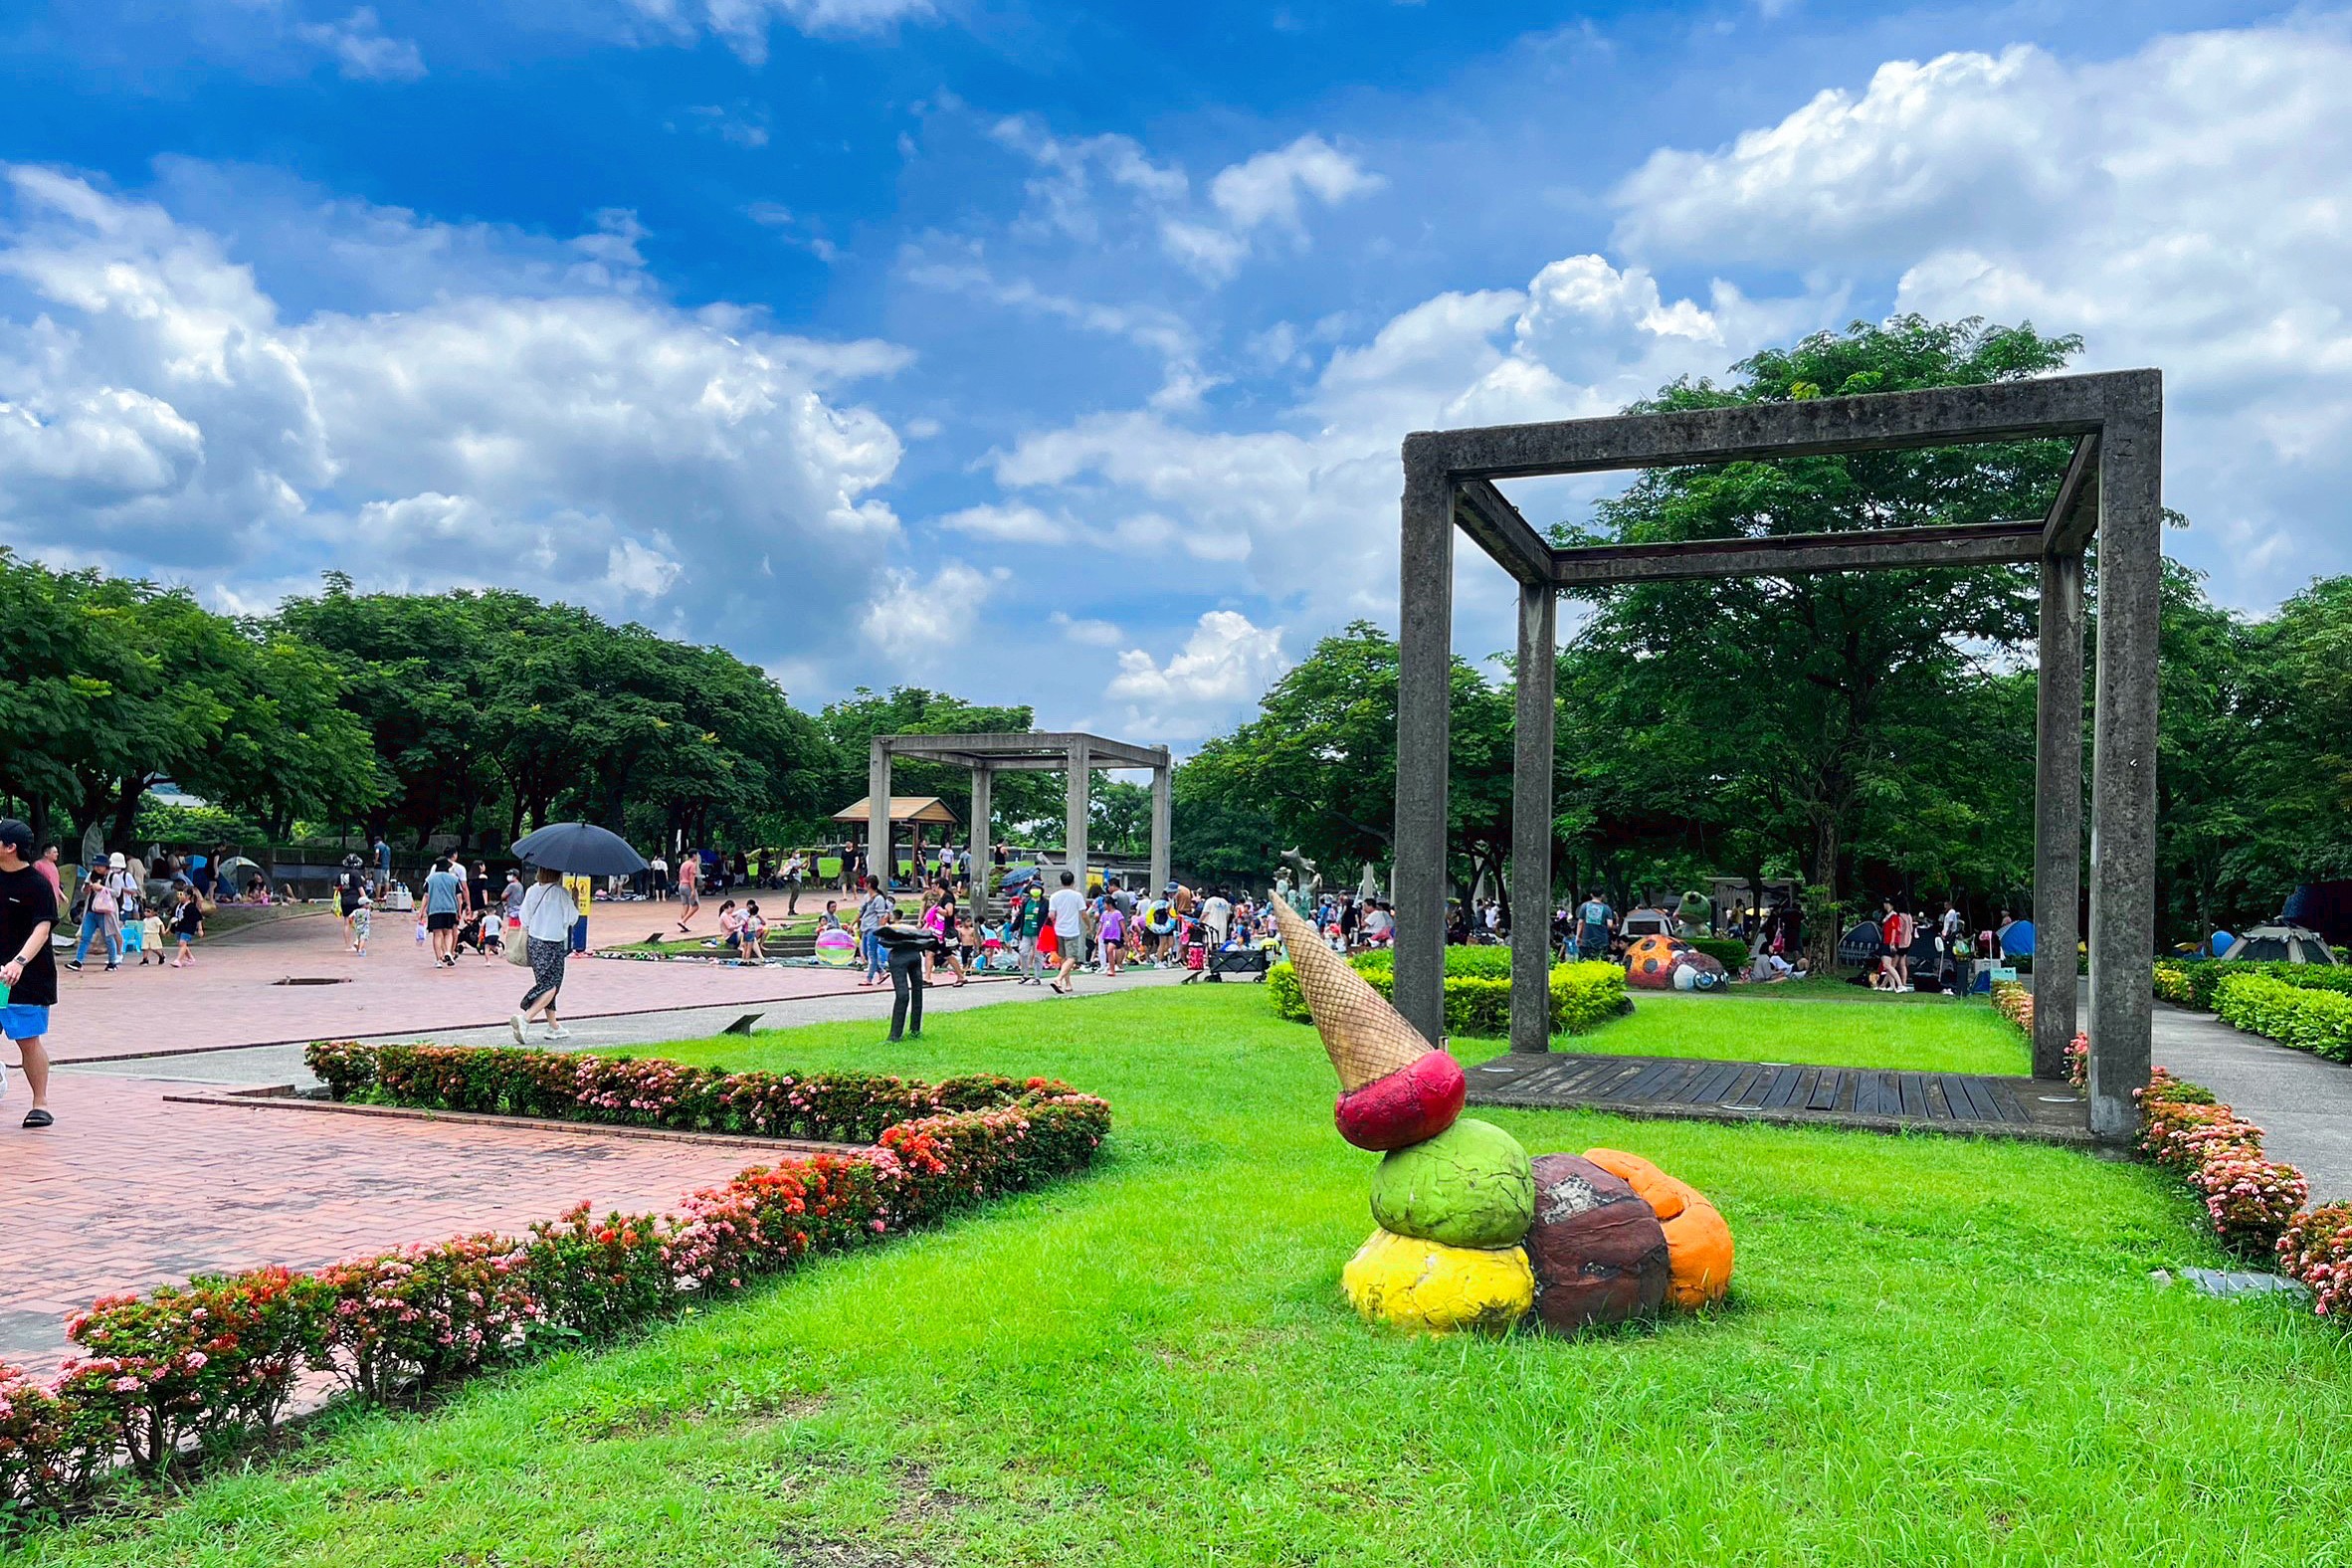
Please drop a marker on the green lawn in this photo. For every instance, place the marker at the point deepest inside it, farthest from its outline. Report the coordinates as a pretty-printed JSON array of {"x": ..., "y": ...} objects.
[
  {"x": 1936, "y": 1352},
  {"x": 1751, "y": 1023}
]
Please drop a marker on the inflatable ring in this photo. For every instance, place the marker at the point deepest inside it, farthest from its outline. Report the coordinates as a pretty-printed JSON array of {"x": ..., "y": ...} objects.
[{"x": 1159, "y": 920}]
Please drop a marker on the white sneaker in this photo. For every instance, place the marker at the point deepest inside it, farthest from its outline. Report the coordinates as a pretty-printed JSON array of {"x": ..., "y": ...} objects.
[
  {"x": 557, "y": 1032},
  {"x": 517, "y": 1023}
]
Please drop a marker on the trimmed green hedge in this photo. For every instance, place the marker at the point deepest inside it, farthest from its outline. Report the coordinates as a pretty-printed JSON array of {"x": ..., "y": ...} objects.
[
  {"x": 1728, "y": 952},
  {"x": 1584, "y": 995},
  {"x": 2309, "y": 1019},
  {"x": 2193, "y": 982}
]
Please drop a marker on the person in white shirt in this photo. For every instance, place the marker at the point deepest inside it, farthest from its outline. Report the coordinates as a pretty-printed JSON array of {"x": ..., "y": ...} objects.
[
  {"x": 548, "y": 912},
  {"x": 1067, "y": 909},
  {"x": 1217, "y": 915},
  {"x": 658, "y": 880}
]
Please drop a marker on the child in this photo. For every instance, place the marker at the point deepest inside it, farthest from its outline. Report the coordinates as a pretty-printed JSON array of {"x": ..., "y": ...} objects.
[
  {"x": 151, "y": 940},
  {"x": 1113, "y": 932},
  {"x": 363, "y": 912},
  {"x": 493, "y": 934},
  {"x": 187, "y": 924},
  {"x": 992, "y": 945},
  {"x": 135, "y": 927}
]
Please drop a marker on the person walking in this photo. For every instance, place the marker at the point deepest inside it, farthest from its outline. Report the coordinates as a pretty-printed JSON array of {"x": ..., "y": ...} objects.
[
  {"x": 1030, "y": 922},
  {"x": 548, "y": 916},
  {"x": 383, "y": 853},
  {"x": 445, "y": 891},
  {"x": 187, "y": 924},
  {"x": 1068, "y": 909},
  {"x": 658, "y": 876},
  {"x": 1594, "y": 920},
  {"x": 27, "y": 969},
  {"x": 690, "y": 891},
  {"x": 796, "y": 869},
  {"x": 99, "y": 910},
  {"x": 879, "y": 909}
]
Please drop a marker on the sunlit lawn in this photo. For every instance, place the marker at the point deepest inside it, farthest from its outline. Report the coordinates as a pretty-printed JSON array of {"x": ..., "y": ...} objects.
[
  {"x": 1754, "y": 1024},
  {"x": 1936, "y": 1351}
]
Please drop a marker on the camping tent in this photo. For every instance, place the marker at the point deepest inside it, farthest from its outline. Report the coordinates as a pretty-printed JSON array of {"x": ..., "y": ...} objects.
[{"x": 2291, "y": 944}]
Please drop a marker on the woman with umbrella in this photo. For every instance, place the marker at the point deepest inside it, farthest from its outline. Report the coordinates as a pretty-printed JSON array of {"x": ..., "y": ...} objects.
[{"x": 549, "y": 909}]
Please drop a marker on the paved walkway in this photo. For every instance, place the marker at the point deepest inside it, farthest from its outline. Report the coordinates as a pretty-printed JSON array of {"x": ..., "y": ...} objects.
[
  {"x": 2302, "y": 1103},
  {"x": 135, "y": 1192}
]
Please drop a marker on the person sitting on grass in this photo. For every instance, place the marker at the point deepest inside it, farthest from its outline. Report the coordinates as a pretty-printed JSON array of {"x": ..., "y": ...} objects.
[
  {"x": 730, "y": 925},
  {"x": 830, "y": 921},
  {"x": 750, "y": 932}
]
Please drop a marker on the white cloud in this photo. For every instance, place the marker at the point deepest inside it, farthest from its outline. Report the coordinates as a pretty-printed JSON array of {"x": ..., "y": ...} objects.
[
  {"x": 2189, "y": 207},
  {"x": 158, "y": 413},
  {"x": 742, "y": 25},
  {"x": 1266, "y": 188},
  {"x": 1226, "y": 662},
  {"x": 1088, "y": 633},
  {"x": 361, "y": 51},
  {"x": 914, "y": 623},
  {"x": 1014, "y": 524}
]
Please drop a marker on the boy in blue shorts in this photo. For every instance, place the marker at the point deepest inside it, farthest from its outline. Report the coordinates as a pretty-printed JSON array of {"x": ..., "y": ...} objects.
[{"x": 27, "y": 969}]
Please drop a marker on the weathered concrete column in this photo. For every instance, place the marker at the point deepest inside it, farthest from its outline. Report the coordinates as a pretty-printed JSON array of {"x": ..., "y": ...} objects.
[
  {"x": 2124, "y": 778},
  {"x": 1531, "y": 821},
  {"x": 1074, "y": 821},
  {"x": 2058, "y": 814},
  {"x": 1424, "y": 652},
  {"x": 979, "y": 838},
  {"x": 1163, "y": 797},
  {"x": 877, "y": 812}
]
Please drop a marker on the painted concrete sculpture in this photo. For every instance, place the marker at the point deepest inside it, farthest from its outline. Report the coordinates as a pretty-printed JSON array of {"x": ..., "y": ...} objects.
[
  {"x": 1475, "y": 1235},
  {"x": 1667, "y": 963}
]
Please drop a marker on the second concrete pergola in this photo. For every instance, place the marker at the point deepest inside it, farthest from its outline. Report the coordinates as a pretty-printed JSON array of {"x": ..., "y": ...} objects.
[
  {"x": 2113, "y": 491},
  {"x": 1036, "y": 751}
]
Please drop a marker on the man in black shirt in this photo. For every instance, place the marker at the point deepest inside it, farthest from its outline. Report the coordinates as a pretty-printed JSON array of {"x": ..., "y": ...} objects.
[{"x": 28, "y": 911}]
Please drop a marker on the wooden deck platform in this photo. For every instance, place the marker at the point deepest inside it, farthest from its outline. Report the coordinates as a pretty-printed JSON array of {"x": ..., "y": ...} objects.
[{"x": 1777, "y": 1092}]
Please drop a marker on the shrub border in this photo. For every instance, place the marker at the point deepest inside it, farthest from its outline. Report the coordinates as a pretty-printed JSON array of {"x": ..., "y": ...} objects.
[
  {"x": 1585, "y": 993},
  {"x": 181, "y": 1373}
]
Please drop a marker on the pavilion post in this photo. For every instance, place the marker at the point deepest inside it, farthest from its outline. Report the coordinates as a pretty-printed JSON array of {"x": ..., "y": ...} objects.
[
  {"x": 877, "y": 813},
  {"x": 980, "y": 836},
  {"x": 1074, "y": 821},
  {"x": 2123, "y": 776},
  {"x": 1531, "y": 820},
  {"x": 2058, "y": 814},
  {"x": 1162, "y": 824},
  {"x": 1424, "y": 669}
]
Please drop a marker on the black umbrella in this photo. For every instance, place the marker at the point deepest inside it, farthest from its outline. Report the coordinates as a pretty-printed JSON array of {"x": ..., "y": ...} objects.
[{"x": 581, "y": 849}]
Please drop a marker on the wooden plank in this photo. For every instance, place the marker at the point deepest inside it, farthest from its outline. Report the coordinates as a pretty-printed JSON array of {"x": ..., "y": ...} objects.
[
  {"x": 1648, "y": 1084},
  {"x": 1967, "y": 1105},
  {"x": 1708, "y": 1090},
  {"x": 1914, "y": 1095},
  {"x": 1755, "y": 1086},
  {"x": 1824, "y": 1092},
  {"x": 1794, "y": 1082}
]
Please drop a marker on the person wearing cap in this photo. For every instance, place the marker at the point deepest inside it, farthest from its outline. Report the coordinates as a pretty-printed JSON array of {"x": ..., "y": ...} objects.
[
  {"x": 101, "y": 910},
  {"x": 27, "y": 969}
]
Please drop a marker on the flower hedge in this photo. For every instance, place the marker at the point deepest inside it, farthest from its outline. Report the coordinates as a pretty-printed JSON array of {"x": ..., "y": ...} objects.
[
  {"x": 2250, "y": 1200},
  {"x": 183, "y": 1370},
  {"x": 1584, "y": 995},
  {"x": 2317, "y": 1249},
  {"x": 2307, "y": 1019},
  {"x": 826, "y": 1107}
]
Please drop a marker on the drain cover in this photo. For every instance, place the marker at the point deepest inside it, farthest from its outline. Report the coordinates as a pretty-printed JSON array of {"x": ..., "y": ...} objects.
[{"x": 314, "y": 980}]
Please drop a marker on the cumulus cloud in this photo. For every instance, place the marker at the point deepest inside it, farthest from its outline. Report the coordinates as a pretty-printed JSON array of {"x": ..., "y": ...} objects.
[
  {"x": 2189, "y": 206},
  {"x": 1225, "y": 663},
  {"x": 158, "y": 411},
  {"x": 743, "y": 25},
  {"x": 1267, "y": 188},
  {"x": 361, "y": 51},
  {"x": 914, "y": 623}
]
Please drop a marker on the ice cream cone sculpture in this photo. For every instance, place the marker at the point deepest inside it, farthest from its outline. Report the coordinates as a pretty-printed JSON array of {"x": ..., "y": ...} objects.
[{"x": 1473, "y": 1233}]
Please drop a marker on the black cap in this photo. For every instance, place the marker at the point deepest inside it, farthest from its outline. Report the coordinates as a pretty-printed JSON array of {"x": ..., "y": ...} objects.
[{"x": 17, "y": 836}]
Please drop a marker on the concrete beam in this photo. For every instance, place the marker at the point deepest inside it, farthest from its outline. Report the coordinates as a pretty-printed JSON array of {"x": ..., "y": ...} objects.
[
  {"x": 1942, "y": 416},
  {"x": 2124, "y": 778},
  {"x": 2075, "y": 516},
  {"x": 2058, "y": 814},
  {"x": 1487, "y": 516},
  {"x": 878, "y": 810},
  {"x": 1799, "y": 554},
  {"x": 1424, "y": 678},
  {"x": 1531, "y": 820}
]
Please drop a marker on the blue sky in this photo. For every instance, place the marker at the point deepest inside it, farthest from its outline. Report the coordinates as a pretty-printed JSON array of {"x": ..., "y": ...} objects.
[{"x": 1060, "y": 353}]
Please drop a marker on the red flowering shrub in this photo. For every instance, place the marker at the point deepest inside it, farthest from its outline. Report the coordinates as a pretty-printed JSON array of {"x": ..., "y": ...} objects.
[
  {"x": 181, "y": 1366},
  {"x": 2317, "y": 1249},
  {"x": 2250, "y": 1199}
]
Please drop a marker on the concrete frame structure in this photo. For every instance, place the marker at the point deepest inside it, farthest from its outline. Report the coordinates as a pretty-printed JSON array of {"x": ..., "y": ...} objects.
[
  {"x": 2113, "y": 491},
  {"x": 1033, "y": 751}
]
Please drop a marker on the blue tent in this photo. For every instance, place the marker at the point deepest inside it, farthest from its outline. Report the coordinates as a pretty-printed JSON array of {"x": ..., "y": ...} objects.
[{"x": 2017, "y": 941}]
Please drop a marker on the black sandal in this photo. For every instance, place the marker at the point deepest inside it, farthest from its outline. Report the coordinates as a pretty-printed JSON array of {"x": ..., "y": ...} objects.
[{"x": 37, "y": 1118}]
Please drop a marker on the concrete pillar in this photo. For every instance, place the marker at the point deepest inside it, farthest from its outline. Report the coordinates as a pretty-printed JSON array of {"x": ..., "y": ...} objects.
[
  {"x": 2058, "y": 814},
  {"x": 1162, "y": 823},
  {"x": 1531, "y": 821},
  {"x": 877, "y": 812},
  {"x": 980, "y": 837},
  {"x": 1074, "y": 823},
  {"x": 1425, "y": 653},
  {"x": 2123, "y": 776}
]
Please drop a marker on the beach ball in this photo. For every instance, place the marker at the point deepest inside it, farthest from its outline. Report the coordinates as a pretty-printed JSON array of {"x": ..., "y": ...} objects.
[{"x": 837, "y": 949}]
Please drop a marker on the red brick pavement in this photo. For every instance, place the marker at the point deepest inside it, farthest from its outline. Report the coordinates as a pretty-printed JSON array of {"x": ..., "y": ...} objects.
[
  {"x": 228, "y": 996},
  {"x": 130, "y": 1192}
]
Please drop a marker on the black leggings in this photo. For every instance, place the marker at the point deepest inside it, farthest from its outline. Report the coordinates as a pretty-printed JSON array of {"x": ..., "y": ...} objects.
[{"x": 906, "y": 990}]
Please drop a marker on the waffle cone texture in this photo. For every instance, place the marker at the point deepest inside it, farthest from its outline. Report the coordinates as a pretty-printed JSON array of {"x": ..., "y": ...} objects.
[{"x": 1365, "y": 1037}]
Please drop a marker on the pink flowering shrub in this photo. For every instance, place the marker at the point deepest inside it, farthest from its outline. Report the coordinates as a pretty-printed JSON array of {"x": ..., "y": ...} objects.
[
  {"x": 2317, "y": 1249},
  {"x": 2250, "y": 1198},
  {"x": 164, "y": 1374}
]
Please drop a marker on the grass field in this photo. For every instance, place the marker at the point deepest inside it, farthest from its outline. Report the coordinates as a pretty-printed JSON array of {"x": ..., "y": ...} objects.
[
  {"x": 1754, "y": 1024},
  {"x": 1936, "y": 1351}
]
